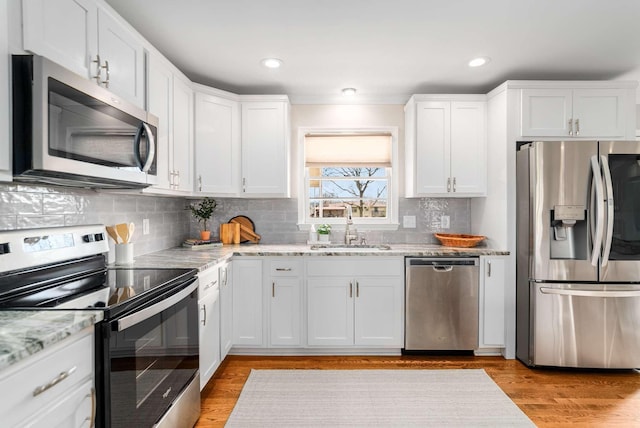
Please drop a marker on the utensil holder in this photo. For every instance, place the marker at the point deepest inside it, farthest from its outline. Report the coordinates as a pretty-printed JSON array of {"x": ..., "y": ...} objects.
[{"x": 124, "y": 254}]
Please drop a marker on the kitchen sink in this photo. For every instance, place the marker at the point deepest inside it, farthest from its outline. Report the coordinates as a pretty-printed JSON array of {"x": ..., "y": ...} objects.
[{"x": 350, "y": 247}]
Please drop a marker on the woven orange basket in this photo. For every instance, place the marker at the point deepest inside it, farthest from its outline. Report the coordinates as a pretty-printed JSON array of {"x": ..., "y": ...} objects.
[{"x": 459, "y": 240}]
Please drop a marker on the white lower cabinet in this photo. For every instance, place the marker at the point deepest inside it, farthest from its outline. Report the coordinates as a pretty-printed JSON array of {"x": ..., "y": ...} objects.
[
  {"x": 226, "y": 309},
  {"x": 285, "y": 302},
  {"x": 209, "y": 323},
  {"x": 492, "y": 301},
  {"x": 247, "y": 303},
  {"x": 53, "y": 388},
  {"x": 355, "y": 302}
]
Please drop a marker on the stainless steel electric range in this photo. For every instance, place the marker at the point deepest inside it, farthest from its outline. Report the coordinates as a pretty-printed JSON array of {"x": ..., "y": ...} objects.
[{"x": 147, "y": 345}]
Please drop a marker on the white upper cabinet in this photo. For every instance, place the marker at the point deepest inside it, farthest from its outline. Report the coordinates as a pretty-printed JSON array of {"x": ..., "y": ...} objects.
[
  {"x": 265, "y": 148},
  {"x": 5, "y": 135},
  {"x": 88, "y": 40},
  {"x": 446, "y": 146},
  {"x": 577, "y": 113},
  {"x": 171, "y": 99},
  {"x": 217, "y": 145}
]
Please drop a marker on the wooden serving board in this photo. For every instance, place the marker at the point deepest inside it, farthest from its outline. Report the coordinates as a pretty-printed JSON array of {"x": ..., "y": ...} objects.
[{"x": 247, "y": 229}]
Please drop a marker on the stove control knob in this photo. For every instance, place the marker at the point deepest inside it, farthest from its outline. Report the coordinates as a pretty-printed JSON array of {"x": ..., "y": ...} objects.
[
  {"x": 99, "y": 237},
  {"x": 4, "y": 248},
  {"x": 88, "y": 238}
]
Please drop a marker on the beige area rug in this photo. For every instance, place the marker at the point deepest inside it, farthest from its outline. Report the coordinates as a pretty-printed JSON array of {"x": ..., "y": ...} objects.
[{"x": 362, "y": 398}]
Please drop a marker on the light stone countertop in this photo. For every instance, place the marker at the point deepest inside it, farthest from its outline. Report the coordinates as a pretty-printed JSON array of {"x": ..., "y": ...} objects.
[
  {"x": 205, "y": 258},
  {"x": 25, "y": 332}
]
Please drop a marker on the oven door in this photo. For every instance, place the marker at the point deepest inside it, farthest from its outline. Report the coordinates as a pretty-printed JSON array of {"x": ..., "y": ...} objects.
[{"x": 151, "y": 356}]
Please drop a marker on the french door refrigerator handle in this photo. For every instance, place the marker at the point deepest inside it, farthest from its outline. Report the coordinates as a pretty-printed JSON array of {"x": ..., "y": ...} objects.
[
  {"x": 590, "y": 293},
  {"x": 597, "y": 238},
  {"x": 608, "y": 237}
]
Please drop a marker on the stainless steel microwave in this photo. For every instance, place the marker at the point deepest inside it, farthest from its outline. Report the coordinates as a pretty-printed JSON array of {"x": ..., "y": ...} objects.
[{"x": 69, "y": 131}]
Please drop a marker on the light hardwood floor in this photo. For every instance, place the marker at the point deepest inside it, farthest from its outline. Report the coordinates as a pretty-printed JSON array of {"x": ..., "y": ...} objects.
[{"x": 550, "y": 397}]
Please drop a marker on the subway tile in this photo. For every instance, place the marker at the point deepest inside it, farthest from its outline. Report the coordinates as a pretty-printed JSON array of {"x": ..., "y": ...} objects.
[
  {"x": 8, "y": 222},
  {"x": 58, "y": 203},
  {"x": 20, "y": 203},
  {"x": 27, "y": 222}
]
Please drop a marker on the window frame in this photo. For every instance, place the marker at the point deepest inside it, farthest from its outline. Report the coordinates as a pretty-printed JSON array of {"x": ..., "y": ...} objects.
[{"x": 361, "y": 223}]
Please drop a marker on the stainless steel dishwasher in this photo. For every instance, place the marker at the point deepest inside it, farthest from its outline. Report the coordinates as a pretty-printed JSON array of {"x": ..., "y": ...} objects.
[{"x": 441, "y": 304}]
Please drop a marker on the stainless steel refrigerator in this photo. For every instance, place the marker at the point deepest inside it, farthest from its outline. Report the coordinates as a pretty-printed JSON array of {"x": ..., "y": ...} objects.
[{"x": 578, "y": 254}]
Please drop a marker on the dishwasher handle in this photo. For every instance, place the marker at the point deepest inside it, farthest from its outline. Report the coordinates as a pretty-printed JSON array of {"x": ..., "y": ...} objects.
[
  {"x": 447, "y": 268},
  {"x": 443, "y": 262}
]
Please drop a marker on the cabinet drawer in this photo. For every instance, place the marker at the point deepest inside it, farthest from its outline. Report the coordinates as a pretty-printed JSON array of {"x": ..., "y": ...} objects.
[
  {"x": 207, "y": 281},
  {"x": 356, "y": 266},
  {"x": 285, "y": 267},
  {"x": 74, "y": 358}
]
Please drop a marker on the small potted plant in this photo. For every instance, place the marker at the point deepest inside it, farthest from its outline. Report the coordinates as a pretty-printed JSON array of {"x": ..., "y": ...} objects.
[
  {"x": 323, "y": 232},
  {"x": 203, "y": 212}
]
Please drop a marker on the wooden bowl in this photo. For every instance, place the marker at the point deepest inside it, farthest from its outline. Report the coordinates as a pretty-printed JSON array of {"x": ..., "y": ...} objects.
[{"x": 459, "y": 240}]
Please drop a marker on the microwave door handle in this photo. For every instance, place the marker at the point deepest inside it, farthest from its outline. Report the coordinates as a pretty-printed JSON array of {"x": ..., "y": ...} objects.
[
  {"x": 146, "y": 313},
  {"x": 136, "y": 146},
  {"x": 608, "y": 237},
  {"x": 597, "y": 239},
  {"x": 151, "y": 147}
]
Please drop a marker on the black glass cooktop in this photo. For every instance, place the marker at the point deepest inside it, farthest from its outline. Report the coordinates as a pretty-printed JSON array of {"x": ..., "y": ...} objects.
[{"x": 109, "y": 289}]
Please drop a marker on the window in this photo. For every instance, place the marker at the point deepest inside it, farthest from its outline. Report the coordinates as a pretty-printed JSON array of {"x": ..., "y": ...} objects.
[{"x": 348, "y": 168}]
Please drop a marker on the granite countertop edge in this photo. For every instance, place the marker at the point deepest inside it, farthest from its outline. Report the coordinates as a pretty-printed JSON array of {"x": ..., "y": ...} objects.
[
  {"x": 180, "y": 257},
  {"x": 24, "y": 333}
]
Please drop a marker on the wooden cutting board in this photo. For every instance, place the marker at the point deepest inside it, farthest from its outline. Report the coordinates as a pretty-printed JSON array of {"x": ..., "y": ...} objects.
[
  {"x": 247, "y": 229},
  {"x": 230, "y": 233}
]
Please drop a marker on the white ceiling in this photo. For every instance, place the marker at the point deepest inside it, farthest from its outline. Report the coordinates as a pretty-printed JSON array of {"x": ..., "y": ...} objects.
[{"x": 388, "y": 49}]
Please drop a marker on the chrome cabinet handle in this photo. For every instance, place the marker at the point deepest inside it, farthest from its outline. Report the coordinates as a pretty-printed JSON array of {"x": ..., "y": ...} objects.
[
  {"x": 577, "y": 127},
  {"x": 357, "y": 289},
  {"x": 106, "y": 69},
  {"x": 92, "y": 422},
  {"x": 244, "y": 184},
  {"x": 454, "y": 184},
  {"x": 62, "y": 376},
  {"x": 204, "y": 317},
  {"x": 200, "y": 183},
  {"x": 488, "y": 268},
  {"x": 178, "y": 176},
  {"x": 283, "y": 269},
  {"x": 223, "y": 274},
  {"x": 570, "y": 126},
  {"x": 449, "y": 184},
  {"x": 350, "y": 289},
  {"x": 273, "y": 289},
  {"x": 98, "y": 75}
]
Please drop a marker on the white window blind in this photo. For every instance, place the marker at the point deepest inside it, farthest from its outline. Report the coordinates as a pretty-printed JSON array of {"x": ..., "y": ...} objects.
[{"x": 348, "y": 150}]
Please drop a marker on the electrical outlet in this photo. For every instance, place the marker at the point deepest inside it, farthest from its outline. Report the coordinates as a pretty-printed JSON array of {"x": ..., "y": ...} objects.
[
  {"x": 445, "y": 222},
  {"x": 409, "y": 221},
  {"x": 145, "y": 226}
]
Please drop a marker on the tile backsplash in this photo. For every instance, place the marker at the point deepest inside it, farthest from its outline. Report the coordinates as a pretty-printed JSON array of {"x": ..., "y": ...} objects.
[{"x": 25, "y": 206}]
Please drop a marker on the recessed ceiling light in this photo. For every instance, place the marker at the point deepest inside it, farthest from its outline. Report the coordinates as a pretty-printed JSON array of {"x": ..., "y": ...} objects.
[
  {"x": 349, "y": 92},
  {"x": 479, "y": 62},
  {"x": 272, "y": 62}
]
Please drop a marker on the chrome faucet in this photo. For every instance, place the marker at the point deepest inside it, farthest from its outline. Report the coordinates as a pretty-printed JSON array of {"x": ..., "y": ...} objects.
[{"x": 349, "y": 236}]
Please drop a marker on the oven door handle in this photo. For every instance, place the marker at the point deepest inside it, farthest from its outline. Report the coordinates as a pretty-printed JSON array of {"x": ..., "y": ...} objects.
[{"x": 147, "y": 313}]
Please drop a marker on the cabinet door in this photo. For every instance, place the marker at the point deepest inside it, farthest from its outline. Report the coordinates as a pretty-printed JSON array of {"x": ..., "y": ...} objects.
[
  {"x": 546, "y": 112},
  {"x": 64, "y": 31},
  {"x": 5, "y": 137},
  {"x": 160, "y": 104},
  {"x": 217, "y": 145},
  {"x": 492, "y": 305},
  {"x": 182, "y": 159},
  {"x": 599, "y": 112},
  {"x": 468, "y": 148},
  {"x": 265, "y": 149},
  {"x": 209, "y": 336},
  {"x": 433, "y": 138},
  {"x": 330, "y": 311},
  {"x": 226, "y": 310},
  {"x": 247, "y": 303},
  {"x": 125, "y": 54},
  {"x": 378, "y": 311},
  {"x": 284, "y": 314}
]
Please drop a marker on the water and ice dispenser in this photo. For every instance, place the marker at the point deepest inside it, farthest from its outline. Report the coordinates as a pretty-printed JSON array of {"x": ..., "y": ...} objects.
[{"x": 569, "y": 232}]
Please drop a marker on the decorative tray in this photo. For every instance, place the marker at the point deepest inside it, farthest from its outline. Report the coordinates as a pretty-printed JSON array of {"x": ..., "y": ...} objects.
[{"x": 459, "y": 240}]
